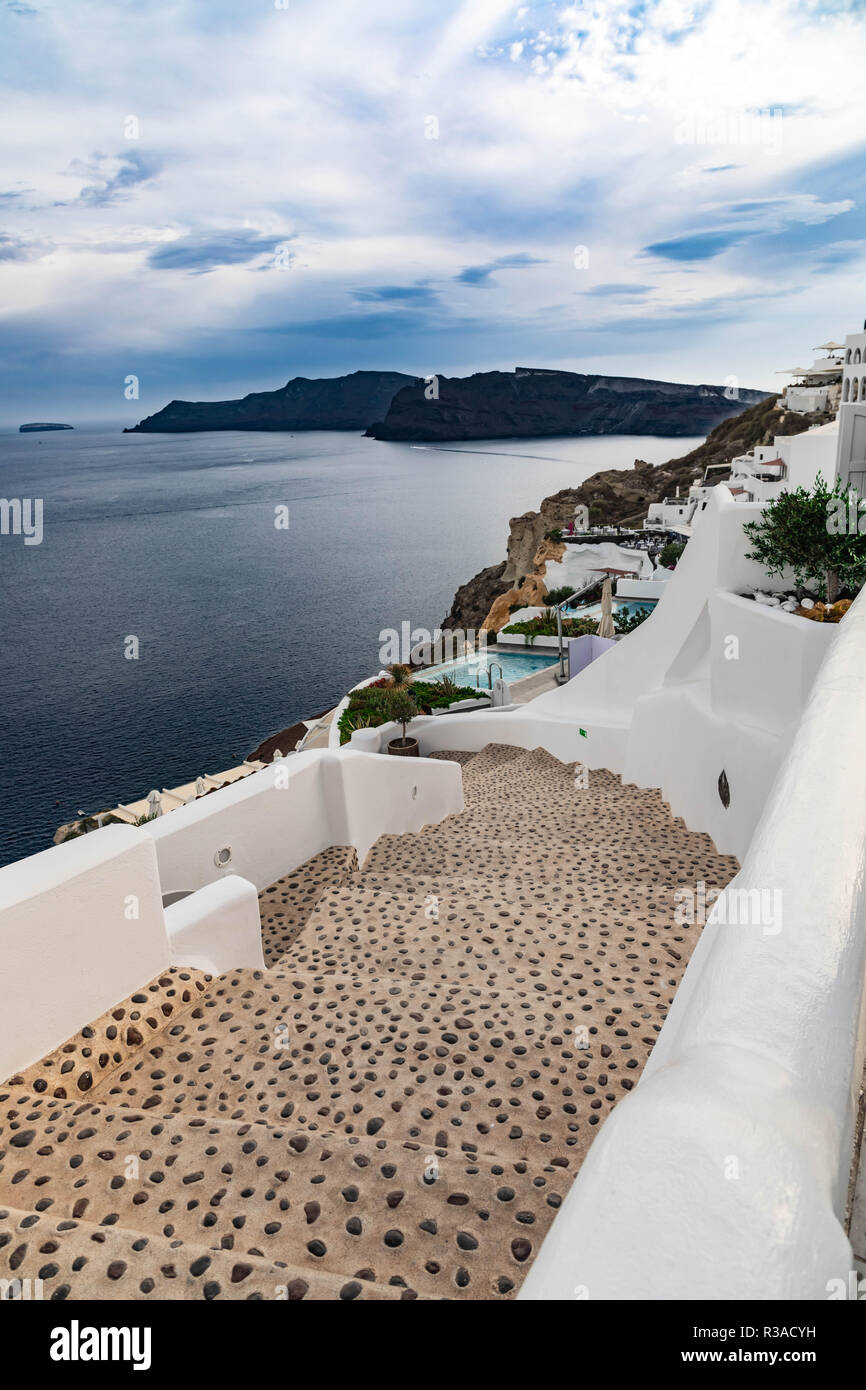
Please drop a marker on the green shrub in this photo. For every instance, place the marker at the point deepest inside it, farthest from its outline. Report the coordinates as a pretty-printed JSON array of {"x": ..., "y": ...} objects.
[
  {"x": 400, "y": 707},
  {"x": 553, "y": 597},
  {"x": 809, "y": 533},
  {"x": 371, "y": 705},
  {"x": 539, "y": 627},
  {"x": 627, "y": 622},
  {"x": 671, "y": 554}
]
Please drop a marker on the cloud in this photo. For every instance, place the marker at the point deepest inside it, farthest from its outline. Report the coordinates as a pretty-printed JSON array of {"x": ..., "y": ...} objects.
[
  {"x": 616, "y": 291},
  {"x": 116, "y": 176},
  {"x": 698, "y": 246},
  {"x": 14, "y": 248},
  {"x": 555, "y": 127},
  {"x": 387, "y": 293},
  {"x": 479, "y": 275},
  {"x": 201, "y": 252}
]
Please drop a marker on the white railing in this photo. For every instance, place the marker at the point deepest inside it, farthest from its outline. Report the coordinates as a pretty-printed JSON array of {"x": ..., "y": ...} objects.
[
  {"x": 268, "y": 824},
  {"x": 84, "y": 923},
  {"x": 724, "y": 1173}
]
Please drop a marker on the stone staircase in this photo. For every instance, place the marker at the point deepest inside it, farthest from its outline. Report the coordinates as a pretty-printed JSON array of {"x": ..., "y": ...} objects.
[{"x": 398, "y": 1106}]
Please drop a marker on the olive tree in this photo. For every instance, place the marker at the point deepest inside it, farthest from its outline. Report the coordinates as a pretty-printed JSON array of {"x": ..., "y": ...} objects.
[{"x": 815, "y": 534}]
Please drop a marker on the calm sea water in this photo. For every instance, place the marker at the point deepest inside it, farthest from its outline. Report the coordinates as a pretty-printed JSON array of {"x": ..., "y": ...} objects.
[{"x": 243, "y": 628}]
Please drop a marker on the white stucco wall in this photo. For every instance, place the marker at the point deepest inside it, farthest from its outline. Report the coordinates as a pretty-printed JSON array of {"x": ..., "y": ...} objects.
[
  {"x": 580, "y": 562},
  {"x": 81, "y": 926},
  {"x": 724, "y": 1172},
  {"x": 666, "y": 708},
  {"x": 808, "y": 454},
  {"x": 279, "y": 817},
  {"x": 643, "y": 588},
  {"x": 217, "y": 928}
]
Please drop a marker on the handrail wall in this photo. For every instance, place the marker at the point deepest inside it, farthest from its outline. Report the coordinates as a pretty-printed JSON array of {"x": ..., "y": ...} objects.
[{"x": 724, "y": 1173}]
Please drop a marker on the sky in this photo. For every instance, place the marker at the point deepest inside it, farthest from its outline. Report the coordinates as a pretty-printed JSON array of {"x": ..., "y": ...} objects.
[{"x": 199, "y": 198}]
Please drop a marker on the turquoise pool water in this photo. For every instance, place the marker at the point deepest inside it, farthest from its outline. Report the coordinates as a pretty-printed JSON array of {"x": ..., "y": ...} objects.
[
  {"x": 620, "y": 605},
  {"x": 514, "y": 666}
]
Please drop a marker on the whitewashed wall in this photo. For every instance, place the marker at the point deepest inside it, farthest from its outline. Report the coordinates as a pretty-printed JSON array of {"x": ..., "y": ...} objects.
[
  {"x": 665, "y": 707},
  {"x": 81, "y": 926},
  {"x": 724, "y": 1173},
  {"x": 277, "y": 818},
  {"x": 217, "y": 928}
]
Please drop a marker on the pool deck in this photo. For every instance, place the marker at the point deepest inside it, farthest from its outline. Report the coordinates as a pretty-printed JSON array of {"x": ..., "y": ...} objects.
[
  {"x": 538, "y": 683},
  {"x": 522, "y": 690}
]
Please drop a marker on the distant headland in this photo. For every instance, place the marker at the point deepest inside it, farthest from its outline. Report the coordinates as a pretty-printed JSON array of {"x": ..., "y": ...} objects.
[
  {"x": 527, "y": 403},
  {"x": 331, "y": 403},
  {"x": 31, "y": 429}
]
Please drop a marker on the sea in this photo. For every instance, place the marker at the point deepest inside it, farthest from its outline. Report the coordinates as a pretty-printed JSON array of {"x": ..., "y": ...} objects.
[{"x": 193, "y": 594}]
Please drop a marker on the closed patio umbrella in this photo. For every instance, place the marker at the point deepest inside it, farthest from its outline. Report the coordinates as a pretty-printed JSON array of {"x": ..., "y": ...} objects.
[
  {"x": 154, "y": 803},
  {"x": 605, "y": 626}
]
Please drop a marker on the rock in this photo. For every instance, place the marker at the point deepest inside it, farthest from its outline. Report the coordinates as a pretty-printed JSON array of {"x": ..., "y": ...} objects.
[
  {"x": 838, "y": 610},
  {"x": 473, "y": 600},
  {"x": 350, "y": 402},
  {"x": 612, "y": 496},
  {"x": 533, "y": 402}
]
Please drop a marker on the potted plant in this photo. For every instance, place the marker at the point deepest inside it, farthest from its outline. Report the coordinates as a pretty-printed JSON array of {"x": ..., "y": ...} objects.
[{"x": 400, "y": 706}]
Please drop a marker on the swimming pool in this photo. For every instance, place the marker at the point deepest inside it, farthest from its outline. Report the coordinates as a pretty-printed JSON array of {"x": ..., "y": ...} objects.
[
  {"x": 514, "y": 666},
  {"x": 620, "y": 605}
]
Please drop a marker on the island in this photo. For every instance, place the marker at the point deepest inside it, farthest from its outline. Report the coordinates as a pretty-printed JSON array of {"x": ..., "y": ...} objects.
[
  {"x": 528, "y": 402},
  {"x": 32, "y": 429},
  {"x": 351, "y": 402},
  {"x": 532, "y": 402}
]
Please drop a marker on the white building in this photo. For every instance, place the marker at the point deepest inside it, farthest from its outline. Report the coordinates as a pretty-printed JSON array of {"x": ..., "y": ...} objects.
[
  {"x": 816, "y": 388},
  {"x": 835, "y": 385},
  {"x": 851, "y": 457}
]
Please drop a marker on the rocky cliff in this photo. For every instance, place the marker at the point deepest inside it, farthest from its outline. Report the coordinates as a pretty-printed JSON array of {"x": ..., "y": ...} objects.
[
  {"x": 533, "y": 402},
  {"x": 613, "y": 496},
  {"x": 329, "y": 403}
]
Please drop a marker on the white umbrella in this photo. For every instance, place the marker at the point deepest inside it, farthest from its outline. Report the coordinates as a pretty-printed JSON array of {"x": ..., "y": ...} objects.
[
  {"x": 154, "y": 803},
  {"x": 606, "y": 627},
  {"x": 200, "y": 786},
  {"x": 276, "y": 754}
]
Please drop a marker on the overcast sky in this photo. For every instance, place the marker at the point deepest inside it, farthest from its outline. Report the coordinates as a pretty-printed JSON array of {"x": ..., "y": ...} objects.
[{"x": 217, "y": 195}]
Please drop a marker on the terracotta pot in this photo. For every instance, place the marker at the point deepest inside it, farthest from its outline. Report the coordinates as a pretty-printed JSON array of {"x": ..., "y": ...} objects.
[{"x": 404, "y": 748}]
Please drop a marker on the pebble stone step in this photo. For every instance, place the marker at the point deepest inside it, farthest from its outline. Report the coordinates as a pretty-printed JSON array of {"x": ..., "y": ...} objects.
[
  {"x": 478, "y": 1070},
  {"x": 576, "y": 811},
  {"x": 575, "y": 835},
  {"x": 367, "y": 931},
  {"x": 569, "y": 896},
  {"x": 80, "y": 1260},
  {"x": 587, "y": 864},
  {"x": 285, "y": 906},
  {"x": 399, "y": 1215},
  {"x": 397, "y": 1107}
]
